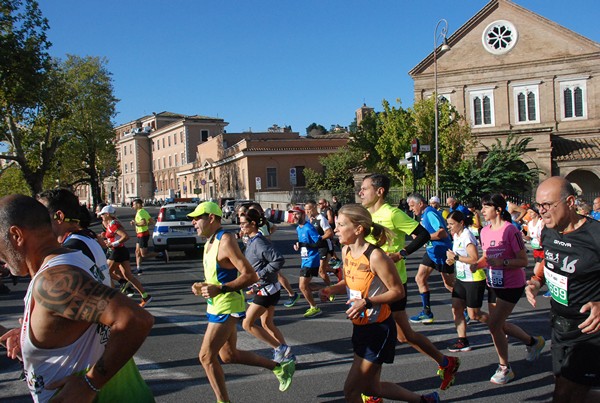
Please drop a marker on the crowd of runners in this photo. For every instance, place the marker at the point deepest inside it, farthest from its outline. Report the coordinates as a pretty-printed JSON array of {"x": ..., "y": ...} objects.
[{"x": 77, "y": 344}]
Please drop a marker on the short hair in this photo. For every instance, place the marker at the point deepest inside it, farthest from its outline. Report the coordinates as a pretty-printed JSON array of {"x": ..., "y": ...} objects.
[
  {"x": 24, "y": 212},
  {"x": 380, "y": 181},
  {"x": 358, "y": 215},
  {"x": 417, "y": 197},
  {"x": 311, "y": 201},
  {"x": 63, "y": 200},
  {"x": 138, "y": 200}
]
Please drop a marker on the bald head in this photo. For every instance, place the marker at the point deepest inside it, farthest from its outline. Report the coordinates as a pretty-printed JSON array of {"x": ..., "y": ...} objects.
[
  {"x": 555, "y": 198},
  {"x": 596, "y": 205}
]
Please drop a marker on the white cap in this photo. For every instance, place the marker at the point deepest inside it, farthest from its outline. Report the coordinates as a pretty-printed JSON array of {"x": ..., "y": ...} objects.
[
  {"x": 107, "y": 210},
  {"x": 434, "y": 199}
]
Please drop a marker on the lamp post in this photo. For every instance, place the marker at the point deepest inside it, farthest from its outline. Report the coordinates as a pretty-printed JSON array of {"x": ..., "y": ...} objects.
[{"x": 443, "y": 48}]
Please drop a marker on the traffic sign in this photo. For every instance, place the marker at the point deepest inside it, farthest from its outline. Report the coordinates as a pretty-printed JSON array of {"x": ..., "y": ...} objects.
[
  {"x": 414, "y": 146},
  {"x": 425, "y": 147},
  {"x": 258, "y": 183}
]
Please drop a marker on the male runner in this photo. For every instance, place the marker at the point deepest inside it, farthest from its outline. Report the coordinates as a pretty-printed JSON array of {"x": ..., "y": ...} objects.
[
  {"x": 227, "y": 273},
  {"x": 321, "y": 224},
  {"x": 64, "y": 340},
  {"x": 571, "y": 269},
  {"x": 141, "y": 222},
  {"x": 373, "y": 191}
]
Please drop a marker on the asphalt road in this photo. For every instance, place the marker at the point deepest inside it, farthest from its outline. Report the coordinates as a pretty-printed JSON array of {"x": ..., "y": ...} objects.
[{"x": 168, "y": 360}]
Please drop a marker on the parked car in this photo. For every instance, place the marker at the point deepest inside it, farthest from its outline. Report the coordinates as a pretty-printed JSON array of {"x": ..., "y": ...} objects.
[
  {"x": 174, "y": 231},
  {"x": 229, "y": 208}
]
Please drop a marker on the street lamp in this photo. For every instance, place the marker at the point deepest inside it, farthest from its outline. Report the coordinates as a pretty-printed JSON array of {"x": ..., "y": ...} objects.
[{"x": 443, "y": 48}]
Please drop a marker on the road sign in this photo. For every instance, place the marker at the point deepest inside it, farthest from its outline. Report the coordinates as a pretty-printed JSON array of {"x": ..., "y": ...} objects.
[
  {"x": 414, "y": 146},
  {"x": 293, "y": 179},
  {"x": 258, "y": 183},
  {"x": 425, "y": 147}
]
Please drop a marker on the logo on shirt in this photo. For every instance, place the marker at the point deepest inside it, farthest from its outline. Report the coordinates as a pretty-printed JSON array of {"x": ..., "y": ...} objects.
[{"x": 561, "y": 243}]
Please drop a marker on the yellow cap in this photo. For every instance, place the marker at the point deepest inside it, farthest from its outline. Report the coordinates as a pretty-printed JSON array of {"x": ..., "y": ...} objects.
[{"x": 206, "y": 207}]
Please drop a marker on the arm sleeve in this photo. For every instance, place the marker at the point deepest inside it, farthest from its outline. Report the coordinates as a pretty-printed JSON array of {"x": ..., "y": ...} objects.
[
  {"x": 422, "y": 237},
  {"x": 273, "y": 257}
]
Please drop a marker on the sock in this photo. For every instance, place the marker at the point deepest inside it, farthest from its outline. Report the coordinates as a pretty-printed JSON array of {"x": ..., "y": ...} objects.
[
  {"x": 444, "y": 362},
  {"x": 138, "y": 268},
  {"x": 425, "y": 301}
]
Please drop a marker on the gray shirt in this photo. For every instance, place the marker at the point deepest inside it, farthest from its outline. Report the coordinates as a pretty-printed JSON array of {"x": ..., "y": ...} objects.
[{"x": 265, "y": 260}]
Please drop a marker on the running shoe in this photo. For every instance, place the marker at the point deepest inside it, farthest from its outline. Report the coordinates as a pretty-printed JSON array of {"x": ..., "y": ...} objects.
[
  {"x": 292, "y": 300},
  {"x": 312, "y": 312},
  {"x": 432, "y": 397},
  {"x": 371, "y": 399},
  {"x": 130, "y": 292},
  {"x": 467, "y": 317},
  {"x": 461, "y": 345},
  {"x": 124, "y": 287},
  {"x": 280, "y": 353},
  {"x": 332, "y": 298},
  {"x": 422, "y": 317},
  {"x": 335, "y": 263},
  {"x": 146, "y": 301},
  {"x": 503, "y": 375},
  {"x": 135, "y": 271},
  {"x": 533, "y": 352},
  {"x": 547, "y": 294},
  {"x": 139, "y": 272},
  {"x": 284, "y": 373},
  {"x": 447, "y": 373}
]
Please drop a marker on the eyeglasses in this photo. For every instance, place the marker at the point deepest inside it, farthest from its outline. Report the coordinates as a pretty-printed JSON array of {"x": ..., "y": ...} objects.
[{"x": 547, "y": 206}]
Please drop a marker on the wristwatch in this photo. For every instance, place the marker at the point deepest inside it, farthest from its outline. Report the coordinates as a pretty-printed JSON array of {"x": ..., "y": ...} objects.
[
  {"x": 403, "y": 253},
  {"x": 505, "y": 262},
  {"x": 368, "y": 303},
  {"x": 225, "y": 289}
]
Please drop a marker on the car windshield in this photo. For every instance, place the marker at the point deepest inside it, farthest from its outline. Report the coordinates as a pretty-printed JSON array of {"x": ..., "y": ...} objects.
[{"x": 177, "y": 213}]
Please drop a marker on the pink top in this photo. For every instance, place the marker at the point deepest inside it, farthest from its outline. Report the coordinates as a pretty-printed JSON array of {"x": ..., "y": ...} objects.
[{"x": 503, "y": 243}]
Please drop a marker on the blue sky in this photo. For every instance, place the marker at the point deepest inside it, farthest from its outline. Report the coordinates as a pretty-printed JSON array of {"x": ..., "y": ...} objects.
[{"x": 257, "y": 63}]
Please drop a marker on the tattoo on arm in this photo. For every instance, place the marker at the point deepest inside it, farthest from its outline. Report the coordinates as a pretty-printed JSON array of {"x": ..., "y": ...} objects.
[{"x": 72, "y": 294}]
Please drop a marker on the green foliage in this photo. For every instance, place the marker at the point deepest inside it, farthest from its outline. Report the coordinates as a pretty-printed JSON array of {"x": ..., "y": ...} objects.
[
  {"x": 500, "y": 170},
  {"x": 12, "y": 182},
  {"x": 382, "y": 139},
  {"x": 338, "y": 173},
  {"x": 319, "y": 128}
]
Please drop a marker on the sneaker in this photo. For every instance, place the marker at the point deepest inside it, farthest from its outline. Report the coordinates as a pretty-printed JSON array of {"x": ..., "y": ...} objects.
[
  {"x": 422, "y": 317},
  {"x": 547, "y": 294},
  {"x": 332, "y": 298},
  {"x": 166, "y": 256},
  {"x": 146, "y": 301},
  {"x": 135, "y": 271},
  {"x": 467, "y": 317},
  {"x": 124, "y": 287},
  {"x": 432, "y": 397},
  {"x": 461, "y": 345},
  {"x": 312, "y": 312},
  {"x": 335, "y": 263},
  {"x": 503, "y": 375},
  {"x": 281, "y": 353},
  {"x": 139, "y": 272},
  {"x": 292, "y": 300},
  {"x": 447, "y": 373},
  {"x": 284, "y": 373},
  {"x": 533, "y": 352},
  {"x": 371, "y": 399},
  {"x": 130, "y": 292}
]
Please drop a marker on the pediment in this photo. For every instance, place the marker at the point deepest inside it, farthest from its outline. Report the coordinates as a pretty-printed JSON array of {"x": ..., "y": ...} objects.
[{"x": 538, "y": 40}]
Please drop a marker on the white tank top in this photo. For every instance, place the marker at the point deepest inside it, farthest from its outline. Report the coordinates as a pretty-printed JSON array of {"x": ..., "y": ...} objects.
[
  {"x": 101, "y": 272},
  {"x": 43, "y": 366}
]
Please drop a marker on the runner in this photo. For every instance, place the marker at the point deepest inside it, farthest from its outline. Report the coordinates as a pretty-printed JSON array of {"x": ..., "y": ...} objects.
[
  {"x": 141, "y": 222},
  {"x": 227, "y": 273},
  {"x": 324, "y": 230},
  {"x": 504, "y": 259},
  {"x": 371, "y": 282},
  {"x": 267, "y": 262},
  {"x": 308, "y": 239},
  {"x": 118, "y": 254},
  {"x": 70, "y": 312},
  {"x": 469, "y": 287},
  {"x": 435, "y": 258},
  {"x": 334, "y": 263},
  {"x": 267, "y": 229},
  {"x": 572, "y": 272},
  {"x": 454, "y": 204},
  {"x": 62, "y": 205},
  {"x": 596, "y": 209},
  {"x": 373, "y": 192}
]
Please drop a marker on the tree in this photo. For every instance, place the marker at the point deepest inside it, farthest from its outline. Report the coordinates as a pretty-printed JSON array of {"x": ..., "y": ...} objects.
[
  {"x": 88, "y": 130},
  {"x": 33, "y": 94},
  {"x": 499, "y": 170},
  {"x": 337, "y": 177},
  {"x": 314, "y": 128}
]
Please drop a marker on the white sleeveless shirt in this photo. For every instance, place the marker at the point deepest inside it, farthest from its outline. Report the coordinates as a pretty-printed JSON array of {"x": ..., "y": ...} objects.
[{"x": 44, "y": 366}]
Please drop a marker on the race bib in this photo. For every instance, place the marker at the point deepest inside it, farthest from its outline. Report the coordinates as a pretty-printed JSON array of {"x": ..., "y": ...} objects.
[
  {"x": 535, "y": 243},
  {"x": 496, "y": 278},
  {"x": 460, "y": 272},
  {"x": 355, "y": 294},
  {"x": 303, "y": 252},
  {"x": 557, "y": 285}
]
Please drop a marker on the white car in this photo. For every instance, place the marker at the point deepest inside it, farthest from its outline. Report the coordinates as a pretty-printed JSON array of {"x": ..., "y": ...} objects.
[{"x": 174, "y": 231}]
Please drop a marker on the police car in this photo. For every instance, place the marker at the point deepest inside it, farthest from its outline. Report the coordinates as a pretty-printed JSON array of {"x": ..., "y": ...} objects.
[{"x": 174, "y": 231}]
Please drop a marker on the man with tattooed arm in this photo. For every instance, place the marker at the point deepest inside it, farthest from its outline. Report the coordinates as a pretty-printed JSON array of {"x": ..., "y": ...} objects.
[{"x": 69, "y": 313}]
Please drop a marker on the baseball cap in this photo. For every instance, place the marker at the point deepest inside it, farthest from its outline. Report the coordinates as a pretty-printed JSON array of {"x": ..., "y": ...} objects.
[
  {"x": 206, "y": 207},
  {"x": 107, "y": 210},
  {"x": 434, "y": 199},
  {"x": 296, "y": 209},
  {"x": 138, "y": 200}
]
